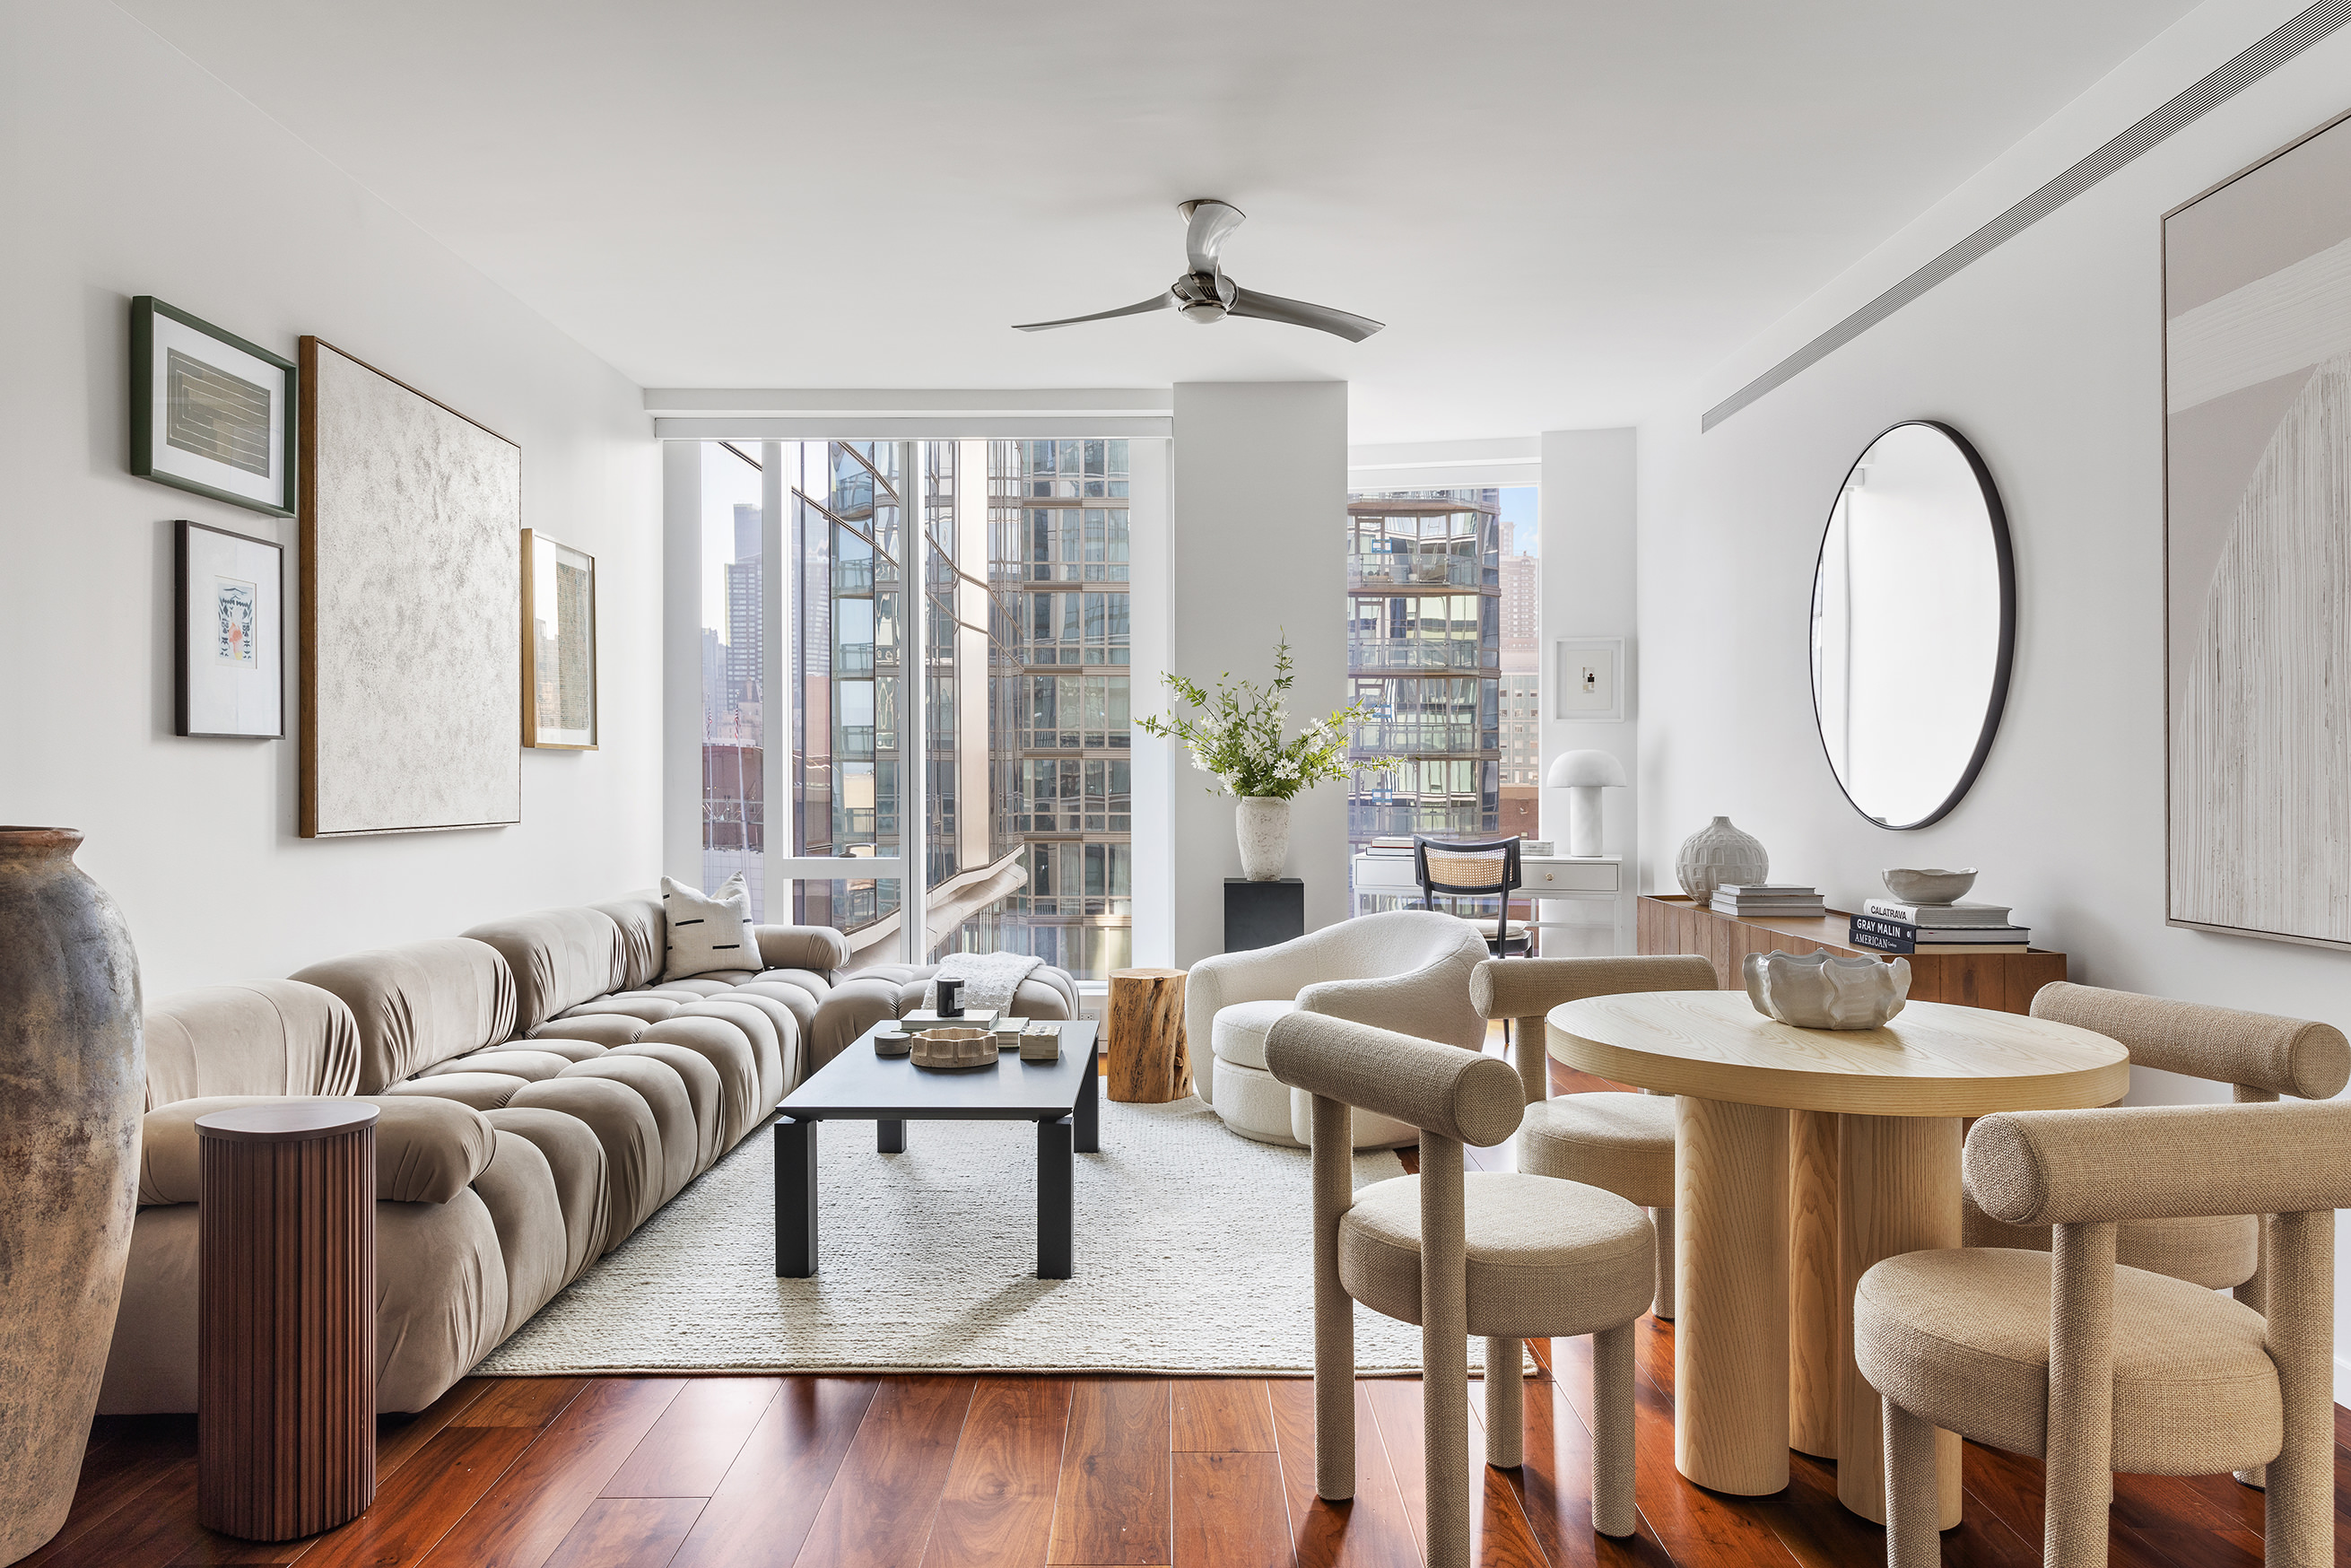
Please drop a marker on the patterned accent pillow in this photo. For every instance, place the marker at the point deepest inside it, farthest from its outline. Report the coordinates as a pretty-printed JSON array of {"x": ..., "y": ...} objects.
[{"x": 708, "y": 931}]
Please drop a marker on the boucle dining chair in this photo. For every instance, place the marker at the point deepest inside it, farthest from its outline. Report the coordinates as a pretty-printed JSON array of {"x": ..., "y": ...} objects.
[
  {"x": 2261, "y": 1055},
  {"x": 1609, "y": 1139},
  {"x": 1502, "y": 1254},
  {"x": 2095, "y": 1367}
]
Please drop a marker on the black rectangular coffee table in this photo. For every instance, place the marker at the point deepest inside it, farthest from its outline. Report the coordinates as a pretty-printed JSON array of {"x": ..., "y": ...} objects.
[{"x": 1063, "y": 1098}]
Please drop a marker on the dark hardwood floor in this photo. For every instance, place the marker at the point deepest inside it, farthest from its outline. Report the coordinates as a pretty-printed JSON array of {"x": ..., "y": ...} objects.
[{"x": 958, "y": 1472}]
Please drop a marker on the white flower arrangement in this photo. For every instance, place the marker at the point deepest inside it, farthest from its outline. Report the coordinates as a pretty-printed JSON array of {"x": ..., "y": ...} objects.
[{"x": 1238, "y": 739}]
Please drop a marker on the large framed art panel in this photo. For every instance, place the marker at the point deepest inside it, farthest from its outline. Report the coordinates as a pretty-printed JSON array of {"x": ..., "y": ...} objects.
[
  {"x": 2257, "y": 547},
  {"x": 410, "y": 525}
]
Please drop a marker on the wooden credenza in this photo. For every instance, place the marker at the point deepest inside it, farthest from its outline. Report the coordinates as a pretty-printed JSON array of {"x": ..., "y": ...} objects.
[{"x": 2005, "y": 981}]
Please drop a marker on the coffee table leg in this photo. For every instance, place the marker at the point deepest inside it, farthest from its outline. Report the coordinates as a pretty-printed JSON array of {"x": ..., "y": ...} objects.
[
  {"x": 890, "y": 1137},
  {"x": 1897, "y": 1191},
  {"x": 1088, "y": 1114},
  {"x": 1730, "y": 1336},
  {"x": 1056, "y": 1192},
  {"x": 795, "y": 1199}
]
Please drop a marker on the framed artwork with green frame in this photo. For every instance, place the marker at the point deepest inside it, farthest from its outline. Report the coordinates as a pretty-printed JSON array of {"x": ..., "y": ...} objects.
[{"x": 209, "y": 413}]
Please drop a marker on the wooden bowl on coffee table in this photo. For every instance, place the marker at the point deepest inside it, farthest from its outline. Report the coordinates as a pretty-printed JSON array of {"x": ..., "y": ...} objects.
[{"x": 953, "y": 1049}]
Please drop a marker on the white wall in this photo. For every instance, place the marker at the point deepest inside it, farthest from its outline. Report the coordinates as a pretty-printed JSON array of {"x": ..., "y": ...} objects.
[
  {"x": 128, "y": 169},
  {"x": 1589, "y": 544},
  {"x": 1254, "y": 547},
  {"x": 2047, "y": 355}
]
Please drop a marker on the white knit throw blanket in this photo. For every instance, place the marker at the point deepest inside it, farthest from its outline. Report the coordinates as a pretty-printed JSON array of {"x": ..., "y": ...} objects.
[{"x": 989, "y": 980}]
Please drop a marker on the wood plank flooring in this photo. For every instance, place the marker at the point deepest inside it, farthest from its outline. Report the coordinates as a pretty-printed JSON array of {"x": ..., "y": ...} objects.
[{"x": 1085, "y": 1472}]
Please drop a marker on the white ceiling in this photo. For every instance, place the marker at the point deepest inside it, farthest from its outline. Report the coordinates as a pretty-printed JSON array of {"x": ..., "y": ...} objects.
[{"x": 1563, "y": 209}]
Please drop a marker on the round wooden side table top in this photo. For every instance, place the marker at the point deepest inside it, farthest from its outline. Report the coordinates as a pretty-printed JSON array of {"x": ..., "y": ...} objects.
[
  {"x": 290, "y": 1123},
  {"x": 1933, "y": 1059}
]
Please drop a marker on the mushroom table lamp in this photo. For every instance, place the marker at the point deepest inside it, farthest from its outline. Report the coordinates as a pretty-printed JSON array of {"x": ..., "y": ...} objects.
[{"x": 1584, "y": 774}]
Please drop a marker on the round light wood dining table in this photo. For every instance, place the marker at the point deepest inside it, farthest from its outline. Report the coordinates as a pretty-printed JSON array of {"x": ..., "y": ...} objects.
[{"x": 1801, "y": 1157}]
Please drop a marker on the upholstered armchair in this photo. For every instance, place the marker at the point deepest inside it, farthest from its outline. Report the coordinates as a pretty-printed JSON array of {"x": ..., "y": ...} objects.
[
  {"x": 1406, "y": 970},
  {"x": 2096, "y": 1367},
  {"x": 1502, "y": 1255}
]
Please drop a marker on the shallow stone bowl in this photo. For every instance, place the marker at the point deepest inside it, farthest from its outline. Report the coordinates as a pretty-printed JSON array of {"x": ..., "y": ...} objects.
[
  {"x": 950, "y": 1049},
  {"x": 1823, "y": 990},
  {"x": 1911, "y": 885}
]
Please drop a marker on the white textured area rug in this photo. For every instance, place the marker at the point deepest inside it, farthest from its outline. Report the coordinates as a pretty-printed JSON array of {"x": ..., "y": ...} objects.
[{"x": 1192, "y": 1256}]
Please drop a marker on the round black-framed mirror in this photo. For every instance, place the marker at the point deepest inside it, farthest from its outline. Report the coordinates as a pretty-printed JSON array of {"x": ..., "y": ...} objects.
[{"x": 1913, "y": 624}]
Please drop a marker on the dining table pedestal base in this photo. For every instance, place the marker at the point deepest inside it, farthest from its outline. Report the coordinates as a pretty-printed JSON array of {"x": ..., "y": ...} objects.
[
  {"x": 1897, "y": 1191},
  {"x": 1730, "y": 1288}
]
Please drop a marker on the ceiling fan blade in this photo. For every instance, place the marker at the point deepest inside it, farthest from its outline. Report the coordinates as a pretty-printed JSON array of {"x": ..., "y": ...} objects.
[
  {"x": 1210, "y": 221},
  {"x": 1299, "y": 313},
  {"x": 1156, "y": 302}
]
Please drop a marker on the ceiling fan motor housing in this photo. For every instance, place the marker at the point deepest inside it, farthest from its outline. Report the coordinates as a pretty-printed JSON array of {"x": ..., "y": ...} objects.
[{"x": 1202, "y": 296}]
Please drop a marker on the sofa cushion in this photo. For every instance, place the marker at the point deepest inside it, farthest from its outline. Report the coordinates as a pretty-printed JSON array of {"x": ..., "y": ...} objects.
[
  {"x": 775, "y": 1036},
  {"x": 725, "y": 1047},
  {"x": 575, "y": 1161},
  {"x": 663, "y": 1090},
  {"x": 817, "y": 948},
  {"x": 643, "y": 1005},
  {"x": 259, "y": 1037},
  {"x": 707, "y": 931},
  {"x": 603, "y": 1030},
  {"x": 518, "y": 1187},
  {"x": 623, "y": 1124},
  {"x": 482, "y": 1091},
  {"x": 1238, "y": 1033},
  {"x": 419, "y": 1004},
  {"x": 559, "y": 957},
  {"x": 532, "y": 1065},
  {"x": 716, "y": 983},
  {"x": 642, "y": 936},
  {"x": 426, "y": 1149}
]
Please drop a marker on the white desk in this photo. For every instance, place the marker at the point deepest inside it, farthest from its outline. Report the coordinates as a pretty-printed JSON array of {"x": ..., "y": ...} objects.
[{"x": 1542, "y": 878}]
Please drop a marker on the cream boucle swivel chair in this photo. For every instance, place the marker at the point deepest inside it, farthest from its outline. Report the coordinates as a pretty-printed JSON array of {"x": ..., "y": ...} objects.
[
  {"x": 1408, "y": 969},
  {"x": 1503, "y": 1255},
  {"x": 1622, "y": 1142},
  {"x": 2097, "y": 1367}
]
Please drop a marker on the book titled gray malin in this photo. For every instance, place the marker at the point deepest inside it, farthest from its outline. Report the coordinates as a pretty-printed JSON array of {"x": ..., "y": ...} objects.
[{"x": 1889, "y": 925}]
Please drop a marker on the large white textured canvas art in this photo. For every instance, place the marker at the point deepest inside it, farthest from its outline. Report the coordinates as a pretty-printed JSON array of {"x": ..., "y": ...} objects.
[
  {"x": 411, "y": 518},
  {"x": 2257, "y": 386}
]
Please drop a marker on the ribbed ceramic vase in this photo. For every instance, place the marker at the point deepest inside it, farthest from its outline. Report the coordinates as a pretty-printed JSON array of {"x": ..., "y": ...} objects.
[
  {"x": 1263, "y": 825},
  {"x": 1719, "y": 853},
  {"x": 72, "y": 1082}
]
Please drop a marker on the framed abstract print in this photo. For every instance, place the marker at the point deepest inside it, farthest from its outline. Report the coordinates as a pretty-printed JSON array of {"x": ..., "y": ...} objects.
[
  {"x": 231, "y": 625},
  {"x": 2257, "y": 547},
  {"x": 209, "y": 413},
  {"x": 558, "y": 644}
]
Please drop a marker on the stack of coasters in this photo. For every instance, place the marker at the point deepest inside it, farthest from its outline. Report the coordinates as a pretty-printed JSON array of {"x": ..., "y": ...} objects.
[{"x": 1041, "y": 1042}]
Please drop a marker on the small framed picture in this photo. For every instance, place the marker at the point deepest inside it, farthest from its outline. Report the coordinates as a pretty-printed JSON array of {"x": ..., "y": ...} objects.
[
  {"x": 1591, "y": 678},
  {"x": 231, "y": 645},
  {"x": 559, "y": 645},
  {"x": 209, "y": 413}
]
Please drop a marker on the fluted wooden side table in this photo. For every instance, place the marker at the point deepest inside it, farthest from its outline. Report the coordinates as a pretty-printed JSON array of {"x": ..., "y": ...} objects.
[
  {"x": 1876, "y": 1116},
  {"x": 286, "y": 1317}
]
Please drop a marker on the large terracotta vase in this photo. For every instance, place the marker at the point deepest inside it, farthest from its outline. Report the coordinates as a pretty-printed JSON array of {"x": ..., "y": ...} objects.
[{"x": 72, "y": 1083}]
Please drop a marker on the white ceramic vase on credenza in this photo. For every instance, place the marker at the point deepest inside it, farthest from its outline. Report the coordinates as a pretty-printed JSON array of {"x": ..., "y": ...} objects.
[
  {"x": 1262, "y": 825},
  {"x": 1716, "y": 854}
]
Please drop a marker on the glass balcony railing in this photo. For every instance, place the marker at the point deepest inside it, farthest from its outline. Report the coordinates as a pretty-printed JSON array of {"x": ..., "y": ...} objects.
[
  {"x": 857, "y": 742},
  {"x": 1432, "y": 654},
  {"x": 853, "y": 576},
  {"x": 853, "y": 659},
  {"x": 1422, "y": 737},
  {"x": 1372, "y": 572}
]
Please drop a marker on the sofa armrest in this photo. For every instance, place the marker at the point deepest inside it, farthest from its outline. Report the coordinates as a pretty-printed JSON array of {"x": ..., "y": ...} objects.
[
  {"x": 427, "y": 1150},
  {"x": 820, "y": 949}
]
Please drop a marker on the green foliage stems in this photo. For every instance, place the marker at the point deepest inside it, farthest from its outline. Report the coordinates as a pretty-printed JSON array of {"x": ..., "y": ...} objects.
[{"x": 1237, "y": 736}]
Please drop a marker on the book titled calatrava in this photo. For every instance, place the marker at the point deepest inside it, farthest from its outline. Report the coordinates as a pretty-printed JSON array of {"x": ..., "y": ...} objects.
[{"x": 1937, "y": 915}]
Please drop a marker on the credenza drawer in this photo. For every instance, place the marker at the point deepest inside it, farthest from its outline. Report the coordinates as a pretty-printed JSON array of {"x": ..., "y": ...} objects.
[{"x": 1541, "y": 876}]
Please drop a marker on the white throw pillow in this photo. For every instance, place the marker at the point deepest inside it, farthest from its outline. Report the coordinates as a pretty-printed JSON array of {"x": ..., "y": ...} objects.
[{"x": 708, "y": 931}]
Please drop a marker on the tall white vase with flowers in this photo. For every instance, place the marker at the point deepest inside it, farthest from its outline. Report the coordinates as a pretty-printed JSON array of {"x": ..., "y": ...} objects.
[{"x": 1235, "y": 737}]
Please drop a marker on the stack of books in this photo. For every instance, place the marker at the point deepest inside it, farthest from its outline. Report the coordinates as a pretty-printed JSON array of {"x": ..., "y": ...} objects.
[
  {"x": 1889, "y": 925},
  {"x": 1390, "y": 846},
  {"x": 1769, "y": 900}
]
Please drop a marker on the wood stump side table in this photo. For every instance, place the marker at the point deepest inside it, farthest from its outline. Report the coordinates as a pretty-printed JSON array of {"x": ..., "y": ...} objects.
[
  {"x": 286, "y": 1340},
  {"x": 1149, "y": 1062}
]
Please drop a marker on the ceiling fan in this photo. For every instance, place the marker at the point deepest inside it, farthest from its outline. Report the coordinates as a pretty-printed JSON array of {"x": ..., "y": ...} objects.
[{"x": 1205, "y": 294}]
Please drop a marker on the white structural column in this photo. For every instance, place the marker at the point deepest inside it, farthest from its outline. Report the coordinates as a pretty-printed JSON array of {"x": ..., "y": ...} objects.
[
  {"x": 681, "y": 838},
  {"x": 1157, "y": 771},
  {"x": 1588, "y": 533},
  {"x": 1256, "y": 547}
]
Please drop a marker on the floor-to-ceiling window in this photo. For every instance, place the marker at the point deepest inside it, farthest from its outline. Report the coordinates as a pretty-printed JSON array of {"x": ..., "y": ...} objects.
[{"x": 1019, "y": 552}]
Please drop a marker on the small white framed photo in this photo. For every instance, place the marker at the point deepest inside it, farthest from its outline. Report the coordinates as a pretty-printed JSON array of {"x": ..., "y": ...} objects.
[
  {"x": 1589, "y": 679},
  {"x": 232, "y": 621}
]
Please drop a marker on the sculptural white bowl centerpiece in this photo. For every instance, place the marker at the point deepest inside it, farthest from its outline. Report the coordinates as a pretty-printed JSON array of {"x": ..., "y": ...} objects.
[
  {"x": 950, "y": 1049},
  {"x": 1822, "y": 990},
  {"x": 1916, "y": 885}
]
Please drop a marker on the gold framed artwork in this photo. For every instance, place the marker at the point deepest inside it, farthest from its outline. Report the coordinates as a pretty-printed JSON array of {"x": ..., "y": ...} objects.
[{"x": 559, "y": 645}]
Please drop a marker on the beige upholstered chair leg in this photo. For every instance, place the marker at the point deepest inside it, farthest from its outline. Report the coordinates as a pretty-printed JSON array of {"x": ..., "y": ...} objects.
[
  {"x": 1444, "y": 1352},
  {"x": 1612, "y": 1441},
  {"x": 1334, "y": 1311},
  {"x": 1506, "y": 1404},
  {"x": 2299, "y": 1509},
  {"x": 2078, "y": 1467},
  {"x": 1662, "y": 1306},
  {"x": 1913, "y": 1504}
]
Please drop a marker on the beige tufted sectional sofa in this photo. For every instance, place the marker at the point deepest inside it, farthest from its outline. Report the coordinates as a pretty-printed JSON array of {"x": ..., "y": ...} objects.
[{"x": 544, "y": 1092}]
